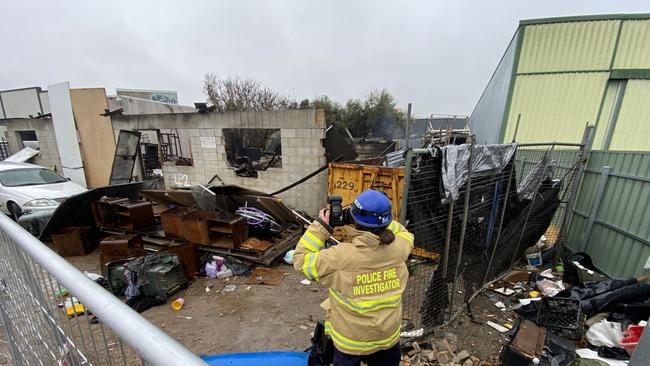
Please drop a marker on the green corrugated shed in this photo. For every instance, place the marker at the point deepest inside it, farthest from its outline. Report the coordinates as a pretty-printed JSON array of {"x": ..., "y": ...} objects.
[
  {"x": 550, "y": 104},
  {"x": 620, "y": 239},
  {"x": 569, "y": 71},
  {"x": 632, "y": 131},
  {"x": 634, "y": 45},
  {"x": 567, "y": 46}
]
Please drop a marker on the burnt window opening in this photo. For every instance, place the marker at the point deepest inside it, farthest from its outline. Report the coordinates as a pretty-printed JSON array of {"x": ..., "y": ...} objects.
[
  {"x": 162, "y": 145},
  {"x": 249, "y": 150},
  {"x": 28, "y": 139}
]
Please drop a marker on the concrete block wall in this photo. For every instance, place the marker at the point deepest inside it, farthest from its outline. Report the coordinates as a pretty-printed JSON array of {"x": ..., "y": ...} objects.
[
  {"x": 301, "y": 131},
  {"x": 49, "y": 153}
]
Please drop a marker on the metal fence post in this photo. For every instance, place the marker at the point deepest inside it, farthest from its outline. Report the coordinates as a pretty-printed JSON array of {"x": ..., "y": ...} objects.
[
  {"x": 445, "y": 259},
  {"x": 595, "y": 206},
  {"x": 583, "y": 160},
  {"x": 463, "y": 227},
  {"x": 503, "y": 214},
  {"x": 408, "y": 171}
]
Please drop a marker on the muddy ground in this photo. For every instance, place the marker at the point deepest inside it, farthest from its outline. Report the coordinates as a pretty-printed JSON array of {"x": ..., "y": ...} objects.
[{"x": 279, "y": 318}]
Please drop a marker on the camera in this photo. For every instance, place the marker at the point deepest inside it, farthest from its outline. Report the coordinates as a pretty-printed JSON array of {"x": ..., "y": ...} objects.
[{"x": 338, "y": 215}]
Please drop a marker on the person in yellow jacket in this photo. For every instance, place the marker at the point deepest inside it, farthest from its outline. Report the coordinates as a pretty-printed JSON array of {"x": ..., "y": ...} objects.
[{"x": 366, "y": 278}]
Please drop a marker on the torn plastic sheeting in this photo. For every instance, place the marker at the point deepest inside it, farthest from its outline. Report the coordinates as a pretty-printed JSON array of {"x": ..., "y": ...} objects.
[
  {"x": 488, "y": 159},
  {"x": 531, "y": 182}
]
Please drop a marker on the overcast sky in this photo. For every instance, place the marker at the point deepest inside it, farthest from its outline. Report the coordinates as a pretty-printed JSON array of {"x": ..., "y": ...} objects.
[{"x": 439, "y": 55}]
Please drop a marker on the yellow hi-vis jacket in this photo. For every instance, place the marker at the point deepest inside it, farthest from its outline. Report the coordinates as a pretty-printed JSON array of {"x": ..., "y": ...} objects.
[{"x": 366, "y": 280}]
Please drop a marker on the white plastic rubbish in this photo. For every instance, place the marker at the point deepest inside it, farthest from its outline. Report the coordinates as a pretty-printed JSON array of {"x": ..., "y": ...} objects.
[
  {"x": 550, "y": 288},
  {"x": 605, "y": 333},
  {"x": 288, "y": 258}
]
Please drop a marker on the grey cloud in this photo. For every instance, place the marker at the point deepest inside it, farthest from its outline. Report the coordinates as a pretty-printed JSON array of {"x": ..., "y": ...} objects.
[{"x": 437, "y": 54}]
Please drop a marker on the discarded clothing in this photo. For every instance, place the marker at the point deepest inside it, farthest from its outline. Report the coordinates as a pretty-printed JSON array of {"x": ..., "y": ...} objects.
[
  {"x": 143, "y": 303},
  {"x": 132, "y": 289},
  {"x": 615, "y": 353},
  {"x": 599, "y": 296}
]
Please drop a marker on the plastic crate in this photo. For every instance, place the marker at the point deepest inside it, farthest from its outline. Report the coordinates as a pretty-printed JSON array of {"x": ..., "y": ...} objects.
[
  {"x": 563, "y": 317},
  {"x": 631, "y": 338}
]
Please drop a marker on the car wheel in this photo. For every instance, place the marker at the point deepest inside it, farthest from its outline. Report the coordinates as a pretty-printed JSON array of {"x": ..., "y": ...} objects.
[{"x": 14, "y": 210}]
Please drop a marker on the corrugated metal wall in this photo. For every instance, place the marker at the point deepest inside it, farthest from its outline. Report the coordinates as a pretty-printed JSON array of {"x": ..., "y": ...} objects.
[
  {"x": 634, "y": 45},
  {"x": 606, "y": 112},
  {"x": 632, "y": 130},
  {"x": 620, "y": 239},
  {"x": 573, "y": 46},
  {"x": 487, "y": 117},
  {"x": 555, "y": 107}
]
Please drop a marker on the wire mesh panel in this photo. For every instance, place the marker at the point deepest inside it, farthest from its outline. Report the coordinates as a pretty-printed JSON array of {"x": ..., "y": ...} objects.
[
  {"x": 563, "y": 165},
  {"x": 46, "y": 322},
  {"x": 483, "y": 232}
]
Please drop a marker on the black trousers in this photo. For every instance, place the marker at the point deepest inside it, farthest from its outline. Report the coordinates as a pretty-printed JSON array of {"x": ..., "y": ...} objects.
[{"x": 387, "y": 357}]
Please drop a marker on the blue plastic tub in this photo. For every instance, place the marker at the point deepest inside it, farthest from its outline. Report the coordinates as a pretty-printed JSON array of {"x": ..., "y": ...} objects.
[{"x": 258, "y": 359}]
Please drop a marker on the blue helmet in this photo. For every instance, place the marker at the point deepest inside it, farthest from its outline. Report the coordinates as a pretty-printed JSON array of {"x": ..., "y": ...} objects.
[{"x": 371, "y": 209}]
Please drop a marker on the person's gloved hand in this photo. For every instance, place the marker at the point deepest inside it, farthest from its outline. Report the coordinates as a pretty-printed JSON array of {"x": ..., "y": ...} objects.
[{"x": 324, "y": 215}]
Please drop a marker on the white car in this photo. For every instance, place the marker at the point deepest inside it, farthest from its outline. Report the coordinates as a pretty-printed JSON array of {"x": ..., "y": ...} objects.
[{"x": 27, "y": 187}]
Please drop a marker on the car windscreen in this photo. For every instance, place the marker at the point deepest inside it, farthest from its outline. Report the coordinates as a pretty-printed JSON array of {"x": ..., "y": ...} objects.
[{"x": 29, "y": 177}]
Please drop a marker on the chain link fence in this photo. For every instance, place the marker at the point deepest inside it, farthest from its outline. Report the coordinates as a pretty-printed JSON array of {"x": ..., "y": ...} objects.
[
  {"x": 483, "y": 233},
  {"x": 52, "y": 314}
]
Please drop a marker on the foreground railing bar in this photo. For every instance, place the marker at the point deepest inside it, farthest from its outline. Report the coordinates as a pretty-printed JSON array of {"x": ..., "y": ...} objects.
[{"x": 147, "y": 340}]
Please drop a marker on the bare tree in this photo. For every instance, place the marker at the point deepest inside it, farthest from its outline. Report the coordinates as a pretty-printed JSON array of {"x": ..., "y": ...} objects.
[{"x": 243, "y": 94}]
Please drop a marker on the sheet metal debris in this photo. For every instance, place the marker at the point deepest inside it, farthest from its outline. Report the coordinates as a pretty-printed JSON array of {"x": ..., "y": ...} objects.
[{"x": 266, "y": 276}]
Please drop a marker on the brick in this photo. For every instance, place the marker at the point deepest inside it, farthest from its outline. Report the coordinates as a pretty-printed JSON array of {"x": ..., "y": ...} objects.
[
  {"x": 443, "y": 345},
  {"x": 443, "y": 357},
  {"x": 193, "y": 132},
  {"x": 207, "y": 132},
  {"x": 304, "y": 133},
  {"x": 288, "y": 132},
  {"x": 463, "y": 355}
]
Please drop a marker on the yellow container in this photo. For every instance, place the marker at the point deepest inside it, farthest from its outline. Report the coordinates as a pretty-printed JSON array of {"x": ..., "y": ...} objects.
[
  {"x": 178, "y": 303},
  {"x": 348, "y": 180}
]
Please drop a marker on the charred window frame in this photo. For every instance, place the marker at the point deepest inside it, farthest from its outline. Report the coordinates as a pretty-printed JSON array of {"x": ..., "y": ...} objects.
[
  {"x": 158, "y": 146},
  {"x": 249, "y": 150},
  {"x": 28, "y": 138}
]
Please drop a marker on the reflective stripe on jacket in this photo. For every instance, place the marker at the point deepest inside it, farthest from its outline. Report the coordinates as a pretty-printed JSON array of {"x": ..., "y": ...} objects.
[{"x": 366, "y": 280}]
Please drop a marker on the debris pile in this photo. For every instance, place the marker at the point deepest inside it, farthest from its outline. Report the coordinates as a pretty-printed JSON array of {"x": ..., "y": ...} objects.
[
  {"x": 443, "y": 351},
  {"x": 153, "y": 242},
  {"x": 569, "y": 311}
]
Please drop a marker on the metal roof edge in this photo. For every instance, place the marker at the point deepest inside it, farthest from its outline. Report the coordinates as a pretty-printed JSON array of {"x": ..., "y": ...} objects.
[
  {"x": 630, "y": 74},
  {"x": 584, "y": 18}
]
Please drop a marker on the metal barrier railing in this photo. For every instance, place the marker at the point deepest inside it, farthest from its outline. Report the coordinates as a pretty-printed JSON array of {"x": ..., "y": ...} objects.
[{"x": 53, "y": 314}]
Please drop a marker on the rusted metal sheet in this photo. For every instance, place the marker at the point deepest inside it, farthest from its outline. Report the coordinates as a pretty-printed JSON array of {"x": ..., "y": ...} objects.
[
  {"x": 227, "y": 198},
  {"x": 266, "y": 276},
  {"x": 121, "y": 245},
  {"x": 348, "y": 180},
  {"x": 207, "y": 228},
  {"x": 76, "y": 210},
  {"x": 72, "y": 241},
  {"x": 281, "y": 243},
  {"x": 172, "y": 221},
  {"x": 133, "y": 215},
  {"x": 256, "y": 244}
]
